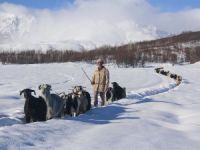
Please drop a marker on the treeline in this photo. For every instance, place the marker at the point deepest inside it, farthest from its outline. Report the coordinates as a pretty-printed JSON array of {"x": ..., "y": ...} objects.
[
  {"x": 171, "y": 49},
  {"x": 33, "y": 57},
  {"x": 128, "y": 55}
]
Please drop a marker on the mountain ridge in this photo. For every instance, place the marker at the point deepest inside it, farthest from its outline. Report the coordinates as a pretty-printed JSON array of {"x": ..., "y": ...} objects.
[{"x": 20, "y": 33}]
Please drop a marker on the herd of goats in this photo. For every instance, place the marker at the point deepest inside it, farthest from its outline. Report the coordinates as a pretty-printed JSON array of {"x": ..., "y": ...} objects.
[
  {"x": 174, "y": 76},
  {"x": 48, "y": 105}
]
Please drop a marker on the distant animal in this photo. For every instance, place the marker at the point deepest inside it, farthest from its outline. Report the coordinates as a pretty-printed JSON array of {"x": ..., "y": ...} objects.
[
  {"x": 116, "y": 92},
  {"x": 164, "y": 72},
  {"x": 35, "y": 109},
  {"x": 177, "y": 78},
  {"x": 173, "y": 76},
  {"x": 77, "y": 102},
  {"x": 55, "y": 104},
  {"x": 158, "y": 69}
]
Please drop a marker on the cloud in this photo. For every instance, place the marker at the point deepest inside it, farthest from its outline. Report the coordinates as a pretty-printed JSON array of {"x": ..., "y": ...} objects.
[
  {"x": 179, "y": 21},
  {"x": 97, "y": 22}
]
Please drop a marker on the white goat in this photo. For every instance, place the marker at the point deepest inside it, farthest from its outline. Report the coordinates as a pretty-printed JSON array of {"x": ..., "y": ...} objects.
[{"x": 55, "y": 104}]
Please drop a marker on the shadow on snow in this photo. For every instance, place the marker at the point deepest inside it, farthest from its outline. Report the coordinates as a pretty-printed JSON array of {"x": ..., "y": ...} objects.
[{"x": 103, "y": 115}]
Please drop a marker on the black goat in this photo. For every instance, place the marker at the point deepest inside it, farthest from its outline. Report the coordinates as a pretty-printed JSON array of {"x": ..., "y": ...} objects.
[
  {"x": 77, "y": 102},
  {"x": 109, "y": 94},
  {"x": 79, "y": 90},
  {"x": 173, "y": 76},
  {"x": 158, "y": 69},
  {"x": 164, "y": 72},
  {"x": 118, "y": 92},
  {"x": 35, "y": 109},
  {"x": 71, "y": 104},
  {"x": 87, "y": 94}
]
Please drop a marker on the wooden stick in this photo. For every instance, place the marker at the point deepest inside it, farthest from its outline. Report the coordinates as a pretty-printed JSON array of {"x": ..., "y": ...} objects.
[{"x": 86, "y": 75}]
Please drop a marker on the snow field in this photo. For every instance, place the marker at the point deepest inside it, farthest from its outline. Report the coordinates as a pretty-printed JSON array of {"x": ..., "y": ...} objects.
[{"x": 156, "y": 115}]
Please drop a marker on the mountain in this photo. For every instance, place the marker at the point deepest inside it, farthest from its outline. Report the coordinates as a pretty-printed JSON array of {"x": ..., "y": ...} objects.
[
  {"x": 20, "y": 32},
  {"x": 13, "y": 28}
]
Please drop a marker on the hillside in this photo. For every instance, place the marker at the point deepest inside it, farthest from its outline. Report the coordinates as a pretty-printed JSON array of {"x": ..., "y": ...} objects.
[{"x": 176, "y": 49}]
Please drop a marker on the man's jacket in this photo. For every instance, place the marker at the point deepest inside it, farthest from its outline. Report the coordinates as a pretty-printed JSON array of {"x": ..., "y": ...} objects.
[{"x": 100, "y": 80}]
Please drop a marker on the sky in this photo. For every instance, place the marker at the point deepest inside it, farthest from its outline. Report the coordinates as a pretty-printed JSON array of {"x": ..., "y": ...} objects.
[
  {"x": 175, "y": 5},
  {"x": 162, "y": 5},
  {"x": 96, "y": 22},
  {"x": 40, "y": 4}
]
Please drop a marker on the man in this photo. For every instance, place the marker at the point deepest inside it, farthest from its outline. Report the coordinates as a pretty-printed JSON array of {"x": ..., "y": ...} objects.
[{"x": 100, "y": 82}]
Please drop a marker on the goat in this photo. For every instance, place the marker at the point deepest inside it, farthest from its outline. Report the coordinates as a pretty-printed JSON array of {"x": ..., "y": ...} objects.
[
  {"x": 55, "y": 104},
  {"x": 109, "y": 94},
  {"x": 87, "y": 95},
  {"x": 166, "y": 73},
  {"x": 158, "y": 69},
  {"x": 71, "y": 106},
  {"x": 77, "y": 102},
  {"x": 34, "y": 108},
  {"x": 115, "y": 93},
  {"x": 177, "y": 78},
  {"x": 173, "y": 76},
  {"x": 84, "y": 97}
]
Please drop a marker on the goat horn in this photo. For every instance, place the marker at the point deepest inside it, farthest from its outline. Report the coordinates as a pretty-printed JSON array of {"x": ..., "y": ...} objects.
[{"x": 21, "y": 92}]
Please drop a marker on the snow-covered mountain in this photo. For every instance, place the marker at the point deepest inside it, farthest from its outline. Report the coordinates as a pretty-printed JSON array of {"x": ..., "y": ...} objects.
[
  {"x": 13, "y": 28},
  {"x": 22, "y": 32}
]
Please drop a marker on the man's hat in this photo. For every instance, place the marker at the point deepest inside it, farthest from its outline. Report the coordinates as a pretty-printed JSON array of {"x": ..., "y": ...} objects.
[{"x": 100, "y": 61}]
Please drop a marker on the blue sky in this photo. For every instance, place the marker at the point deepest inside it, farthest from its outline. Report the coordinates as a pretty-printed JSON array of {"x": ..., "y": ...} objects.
[
  {"x": 163, "y": 5},
  {"x": 40, "y": 4},
  {"x": 175, "y": 5}
]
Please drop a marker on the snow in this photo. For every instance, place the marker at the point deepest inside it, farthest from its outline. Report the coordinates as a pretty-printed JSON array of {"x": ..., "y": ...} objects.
[
  {"x": 28, "y": 31},
  {"x": 191, "y": 44},
  {"x": 156, "y": 115}
]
